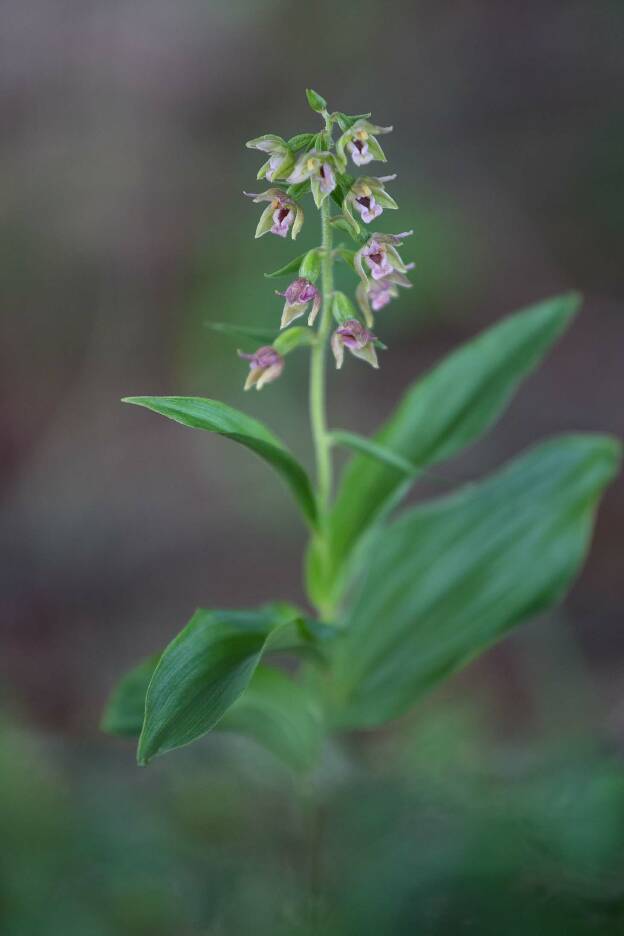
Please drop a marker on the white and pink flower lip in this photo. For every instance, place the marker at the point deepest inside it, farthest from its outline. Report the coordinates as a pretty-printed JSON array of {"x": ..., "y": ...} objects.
[{"x": 377, "y": 260}]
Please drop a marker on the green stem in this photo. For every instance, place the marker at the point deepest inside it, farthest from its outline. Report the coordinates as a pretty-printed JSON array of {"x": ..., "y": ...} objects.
[{"x": 318, "y": 418}]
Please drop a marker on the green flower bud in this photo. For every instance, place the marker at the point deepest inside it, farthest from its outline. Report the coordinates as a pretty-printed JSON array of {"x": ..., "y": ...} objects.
[
  {"x": 316, "y": 102},
  {"x": 311, "y": 265},
  {"x": 342, "y": 308}
]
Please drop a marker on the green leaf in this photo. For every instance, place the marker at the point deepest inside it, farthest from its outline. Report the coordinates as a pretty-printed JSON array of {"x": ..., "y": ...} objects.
[
  {"x": 199, "y": 413},
  {"x": 280, "y": 714},
  {"x": 244, "y": 332},
  {"x": 366, "y": 446},
  {"x": 442, "y": 413},
  {"x": 203, "y": 671},
  {"x": 125, "y": 709},
  {"x": 283, "y": 716},
  {"x": 316, "y": 101},
  {"x": 451, "y": 577},
  {"x": 291, "y": 267}
]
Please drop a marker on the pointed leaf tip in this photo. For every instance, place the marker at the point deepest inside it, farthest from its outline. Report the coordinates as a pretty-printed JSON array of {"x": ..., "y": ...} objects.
[{"x": 214, "y": 416}]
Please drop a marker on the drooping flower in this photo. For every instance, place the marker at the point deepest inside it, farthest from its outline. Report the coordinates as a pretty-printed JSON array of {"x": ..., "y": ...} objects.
[
  {"x": 359, "y": 341},
  {"x": 265, "y": 365},
  {"x": 361, "y": 142},
  {"x": 319, "y": 168},
  {"x": 376, "y": 294},
  {"x": 298, "y": 295},
  {"x": 281, "y": 157},
  {"x": 381, "y": 256},
  {"x": 280, "y": 215},
  {"x": 368, "y": 197}
]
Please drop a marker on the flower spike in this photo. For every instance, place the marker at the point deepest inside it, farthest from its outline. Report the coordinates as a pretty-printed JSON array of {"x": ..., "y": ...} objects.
[
  {"x": 298, "y": 295},
  {"x": 280, "y": 215},
  {"x": 265, "y": 365},
  {"x": 359, "y": 341}
]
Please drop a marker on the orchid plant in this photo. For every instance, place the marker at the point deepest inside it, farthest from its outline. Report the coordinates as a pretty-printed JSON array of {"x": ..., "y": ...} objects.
[{"x": 399, "y": 602}]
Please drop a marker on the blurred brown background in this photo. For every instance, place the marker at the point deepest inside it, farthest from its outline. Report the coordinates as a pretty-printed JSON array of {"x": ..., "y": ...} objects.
[{"x": 123, "y": 230}]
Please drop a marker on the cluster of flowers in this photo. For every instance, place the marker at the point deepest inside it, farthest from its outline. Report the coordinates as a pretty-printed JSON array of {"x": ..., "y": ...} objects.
[{"x": 308, "y": 162}]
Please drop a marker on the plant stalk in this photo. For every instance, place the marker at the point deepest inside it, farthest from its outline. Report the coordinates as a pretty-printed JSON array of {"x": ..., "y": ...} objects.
[
  {"x": 318, "y": 418},
  {"x": 318, "y": 363}
]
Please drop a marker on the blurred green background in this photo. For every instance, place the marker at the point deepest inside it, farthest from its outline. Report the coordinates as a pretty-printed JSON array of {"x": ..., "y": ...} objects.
[{"x": 498, "y": 806}]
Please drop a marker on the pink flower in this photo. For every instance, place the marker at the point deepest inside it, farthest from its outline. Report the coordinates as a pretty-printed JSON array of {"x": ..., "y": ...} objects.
[
  {"x": 300, "y": 292},
  {"x": 359, "y": 341},
  {"x": 361, "y": 142},
  {"x": 281, "y": 214},
  {"x": 381, "y": 256},
  {"x": 265, "y": 365}
]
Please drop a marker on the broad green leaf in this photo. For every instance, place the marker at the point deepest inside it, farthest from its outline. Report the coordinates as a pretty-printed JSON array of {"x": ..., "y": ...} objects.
[
  {"x": 278, "y": 713},
  {"x": 203, "y": 671},
  {"x": 291, "y": 267},
  {"x": 439, "y": 415},
  {"x": 199, "y": 413},
  {"x": 366, "y": 446},
  {"x": 451, "y": 577},
  {"x": 282, "y": 715},
  {"x": 244, "y": 332}
]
